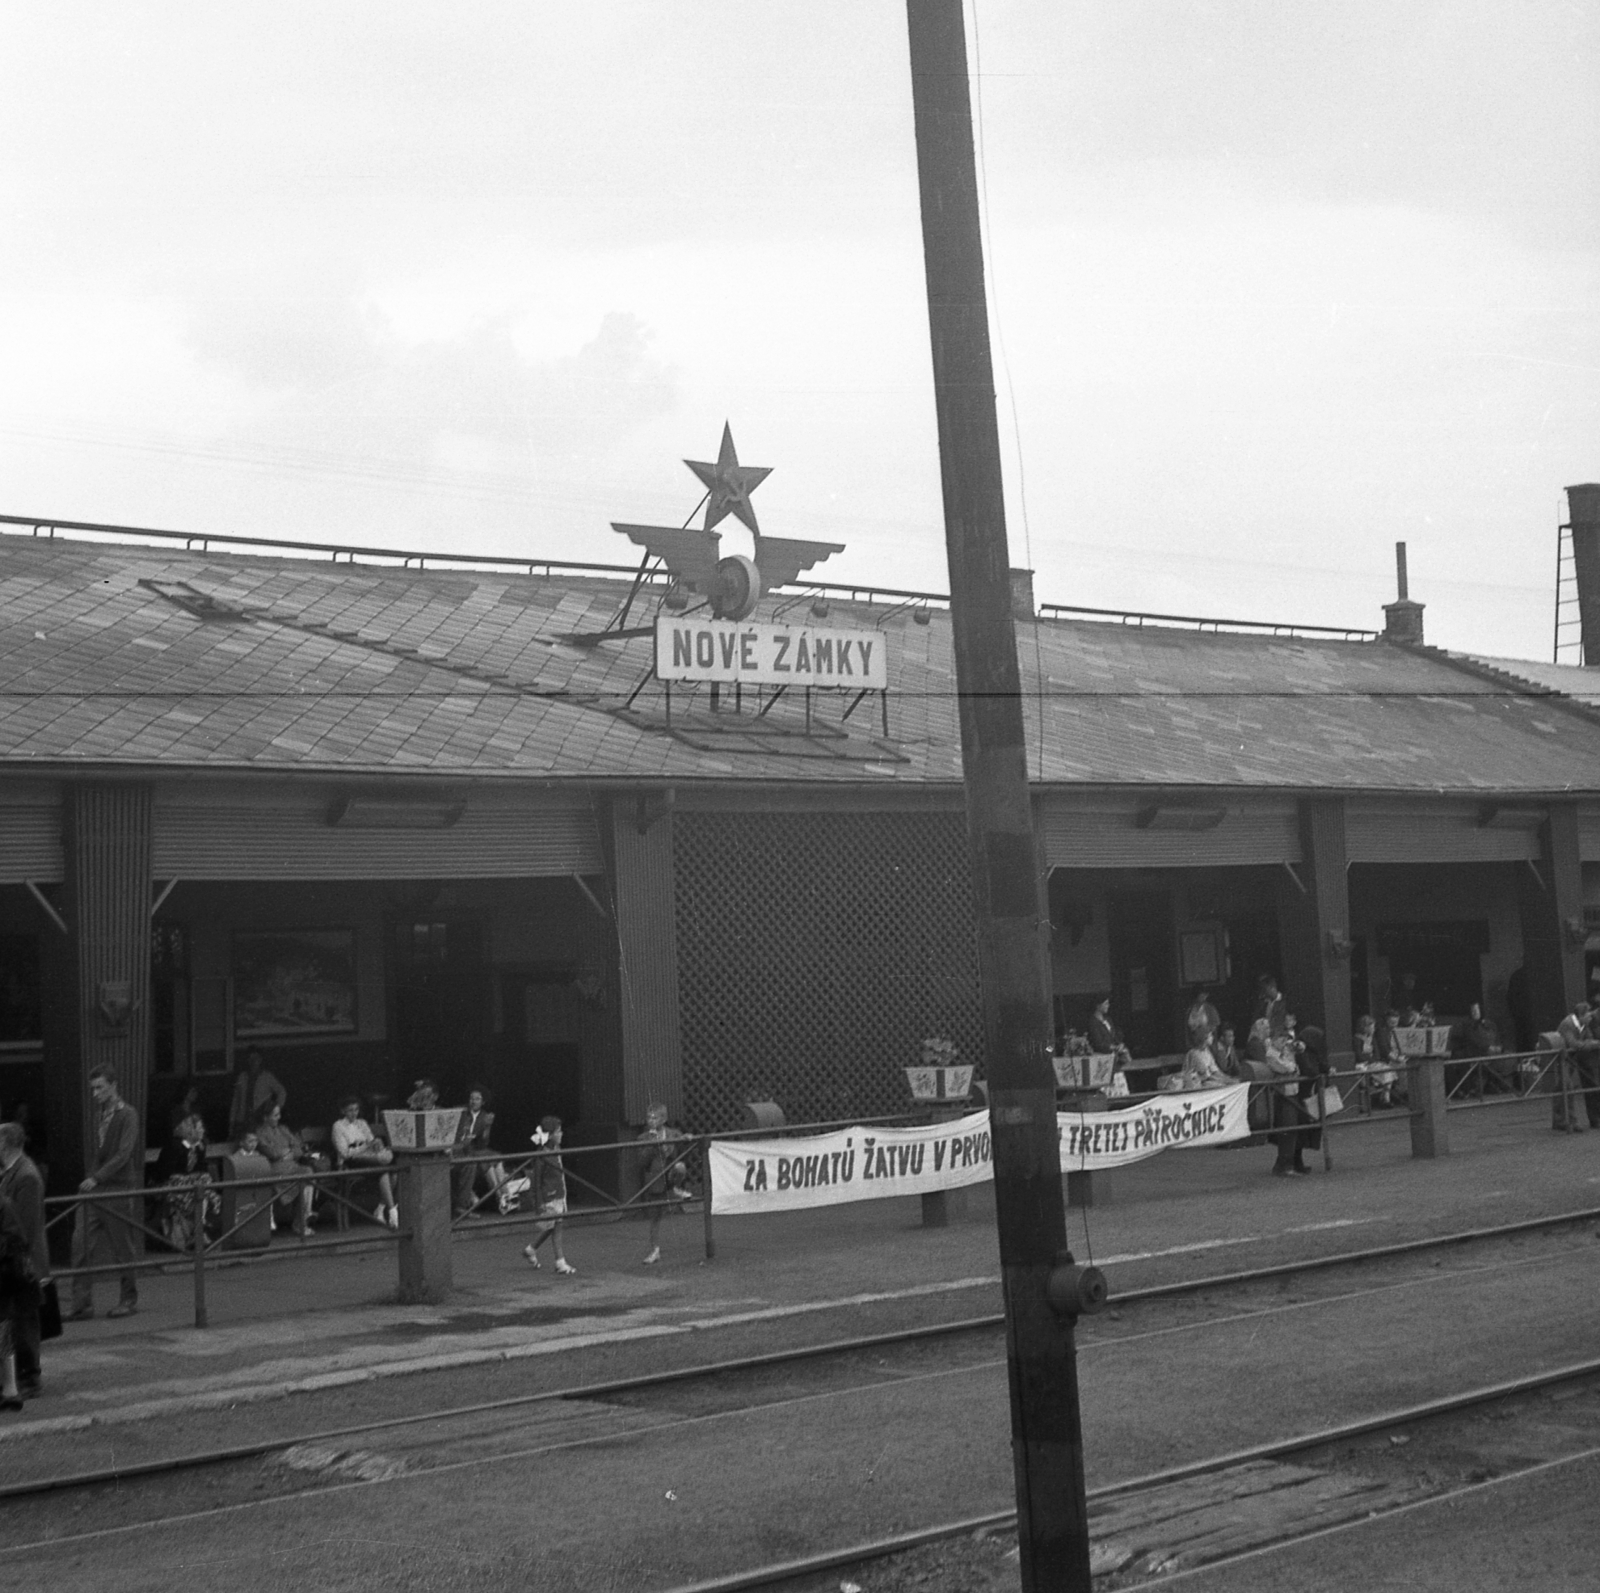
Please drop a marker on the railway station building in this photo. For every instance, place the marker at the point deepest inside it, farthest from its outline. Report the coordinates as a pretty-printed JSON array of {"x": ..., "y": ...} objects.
[{"x": 380, "y": 820}]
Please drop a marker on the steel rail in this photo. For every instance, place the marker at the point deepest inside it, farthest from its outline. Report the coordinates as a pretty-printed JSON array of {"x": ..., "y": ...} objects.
[
  {"x": 583, "y": 1391},
  {"x": 222, "y": 1455},
  {"x": 1402, "y": 1247},
  {"x": 1382, "y": 1513},
  {"x": 1278, "y": 1449}
]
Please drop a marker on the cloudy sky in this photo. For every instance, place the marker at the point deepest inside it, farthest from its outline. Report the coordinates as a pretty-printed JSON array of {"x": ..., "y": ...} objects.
[{"x": 1274, "y": 285}]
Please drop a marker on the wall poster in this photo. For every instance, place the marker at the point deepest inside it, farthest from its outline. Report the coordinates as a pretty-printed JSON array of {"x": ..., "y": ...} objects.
[{"x": 289, "y": 983}]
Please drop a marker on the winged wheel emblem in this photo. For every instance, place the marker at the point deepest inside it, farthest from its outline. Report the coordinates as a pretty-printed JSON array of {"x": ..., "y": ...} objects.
[{"x": 733, "y": 584}]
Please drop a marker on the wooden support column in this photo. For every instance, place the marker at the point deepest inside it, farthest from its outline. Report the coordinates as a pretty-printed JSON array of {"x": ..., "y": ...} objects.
[
  {"x": 426, "y": 1275},
  {"x": 1314, "y": 927},
  {"x": 1327, "y": 871},
  {"x": 107, "y": 843},
  {"x": 1550, "y": 905},
  {"x": 647, "y": 947},
  {"x": 1430, "y": 1132}
]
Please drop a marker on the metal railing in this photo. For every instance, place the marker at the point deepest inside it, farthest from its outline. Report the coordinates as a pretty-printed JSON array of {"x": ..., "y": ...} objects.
[
  {"x": 127, "y": 1210},
  {"x": 682, "y": 1150},
  {"x": 1137, "y": 620},
  {"x": 191, "y": 1240}
]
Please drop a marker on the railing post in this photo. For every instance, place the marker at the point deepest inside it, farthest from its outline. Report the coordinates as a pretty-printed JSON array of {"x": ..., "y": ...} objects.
[
  {"x": 1085, "y": 1188},
  {"x": 425, "y": 1263},
  {"x": 1322, "y": 1117},
  {"x": 198, "y": 1245},
  {"x": 705, "y": 1184},
  {"x": 1425, "y": 1086},
  {"x": 939, "y": 1207}
]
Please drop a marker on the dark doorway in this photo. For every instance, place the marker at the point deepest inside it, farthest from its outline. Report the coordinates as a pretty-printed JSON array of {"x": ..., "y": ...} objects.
[
  {"x": 1253, "y": 950},
  {"x": 1144, "y": 985},
  {"x": 22, "y": 1093},
  {"x": 1360, "y": 982},
  {"x": 441, "y": 1005},
  {"x": 169, "y": 999},
  {"x": 540, "y": 1066},
  {"x": 21, "y": 1003},
  {"x": 1441, "y": 962}
]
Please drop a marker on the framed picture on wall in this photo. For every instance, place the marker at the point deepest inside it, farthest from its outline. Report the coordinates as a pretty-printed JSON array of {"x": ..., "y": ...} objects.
[
  {"x": 289, "y": 983},
  {"x": 1202, "y": 958}
]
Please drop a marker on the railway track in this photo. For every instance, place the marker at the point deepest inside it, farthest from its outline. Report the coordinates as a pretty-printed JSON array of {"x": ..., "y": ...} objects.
[
  {"x": 1360, "y": 1505},
  {"x": 621, "y": 1388}
]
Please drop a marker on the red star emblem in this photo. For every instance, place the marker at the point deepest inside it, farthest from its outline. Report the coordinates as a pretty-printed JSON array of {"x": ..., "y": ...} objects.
[{"x": 729, "y": 484}]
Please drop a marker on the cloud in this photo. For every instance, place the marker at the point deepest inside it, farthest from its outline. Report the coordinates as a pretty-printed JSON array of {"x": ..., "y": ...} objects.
[
  {"x": 282, "y": 342},
  {"x": 335, "y": 379}
]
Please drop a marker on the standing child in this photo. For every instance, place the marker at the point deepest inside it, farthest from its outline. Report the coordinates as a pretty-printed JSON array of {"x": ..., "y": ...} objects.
[
  {"x": 664, "y": 1174},
  {"x": 549, "y": 1197}
]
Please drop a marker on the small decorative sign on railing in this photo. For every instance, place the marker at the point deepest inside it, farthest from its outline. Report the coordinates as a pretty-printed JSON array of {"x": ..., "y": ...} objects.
[
  {"x": 1424, "y": 1039},
  {"x": 940, "y": 1077},
  {"x": 418, "y": 1131},
  {"x": 1089, "y": 1072}
]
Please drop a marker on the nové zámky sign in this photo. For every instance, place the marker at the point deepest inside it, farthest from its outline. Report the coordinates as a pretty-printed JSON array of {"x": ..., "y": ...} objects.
[{"x": 769, "y": 655}]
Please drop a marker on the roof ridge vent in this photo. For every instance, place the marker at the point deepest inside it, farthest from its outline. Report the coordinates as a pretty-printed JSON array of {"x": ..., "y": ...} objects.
[{"x": 203, "y": 606}]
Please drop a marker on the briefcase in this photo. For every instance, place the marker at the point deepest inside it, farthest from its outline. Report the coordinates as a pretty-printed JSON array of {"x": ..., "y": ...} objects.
[{"x": 246, "y": 1213}]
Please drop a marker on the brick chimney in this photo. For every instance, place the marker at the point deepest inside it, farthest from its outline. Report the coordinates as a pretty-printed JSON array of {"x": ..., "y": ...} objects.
[
  {"x": 1022, "y": 596},
  {"x": 1402, "y": 619},
  {"x": 1583, "y": 513}
]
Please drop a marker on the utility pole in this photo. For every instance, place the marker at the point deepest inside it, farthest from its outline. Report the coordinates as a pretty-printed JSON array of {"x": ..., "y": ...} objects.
[{"x": 1046, "y": 1427}]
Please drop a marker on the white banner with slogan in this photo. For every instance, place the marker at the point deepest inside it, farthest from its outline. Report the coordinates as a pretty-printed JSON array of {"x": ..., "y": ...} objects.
[
  {"x": 1091, "y": 1141},
  {"x": 849, "y": 1164},
  {"x": 873, "y": 1163}
]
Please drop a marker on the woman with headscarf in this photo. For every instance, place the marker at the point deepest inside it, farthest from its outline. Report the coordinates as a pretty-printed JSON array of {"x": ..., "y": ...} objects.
[
  {"x": 182, "y": 1168},
  {"x": 1295, "y": 1119}
]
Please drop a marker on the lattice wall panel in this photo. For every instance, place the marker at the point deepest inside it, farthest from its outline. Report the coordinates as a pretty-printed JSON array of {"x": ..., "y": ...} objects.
[{"x": 815, "y": 953}]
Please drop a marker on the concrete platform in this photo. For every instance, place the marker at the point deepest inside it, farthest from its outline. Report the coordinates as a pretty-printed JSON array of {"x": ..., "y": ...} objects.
[{"x": 312, "y": 1321}]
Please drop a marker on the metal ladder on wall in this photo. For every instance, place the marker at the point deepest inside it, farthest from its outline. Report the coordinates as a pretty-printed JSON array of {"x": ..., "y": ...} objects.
[{"x": 1568, "y": 626}]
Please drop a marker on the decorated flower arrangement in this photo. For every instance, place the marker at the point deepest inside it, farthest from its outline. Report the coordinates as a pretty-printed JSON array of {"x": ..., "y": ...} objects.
[{"x": 939, "y": 1076}]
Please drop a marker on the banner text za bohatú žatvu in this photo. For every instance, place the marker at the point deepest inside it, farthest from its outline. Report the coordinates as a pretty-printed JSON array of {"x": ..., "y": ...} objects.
[
  {"x": 849, "y": 1164},
  {"x": 863, "y": 1163}
]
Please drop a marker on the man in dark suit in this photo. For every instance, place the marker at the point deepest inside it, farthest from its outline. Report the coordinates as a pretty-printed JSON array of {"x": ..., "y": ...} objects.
[
  {"x": 108, "y": 1229},
  {"x": 472, "y": 1139},
  {"x": 21, "y": 1184}
]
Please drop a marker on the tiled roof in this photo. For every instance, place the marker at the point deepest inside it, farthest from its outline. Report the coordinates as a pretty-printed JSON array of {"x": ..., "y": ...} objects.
[
  {"x": 106, "y": 659},
  {"x": 1570, "y": 679}
]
